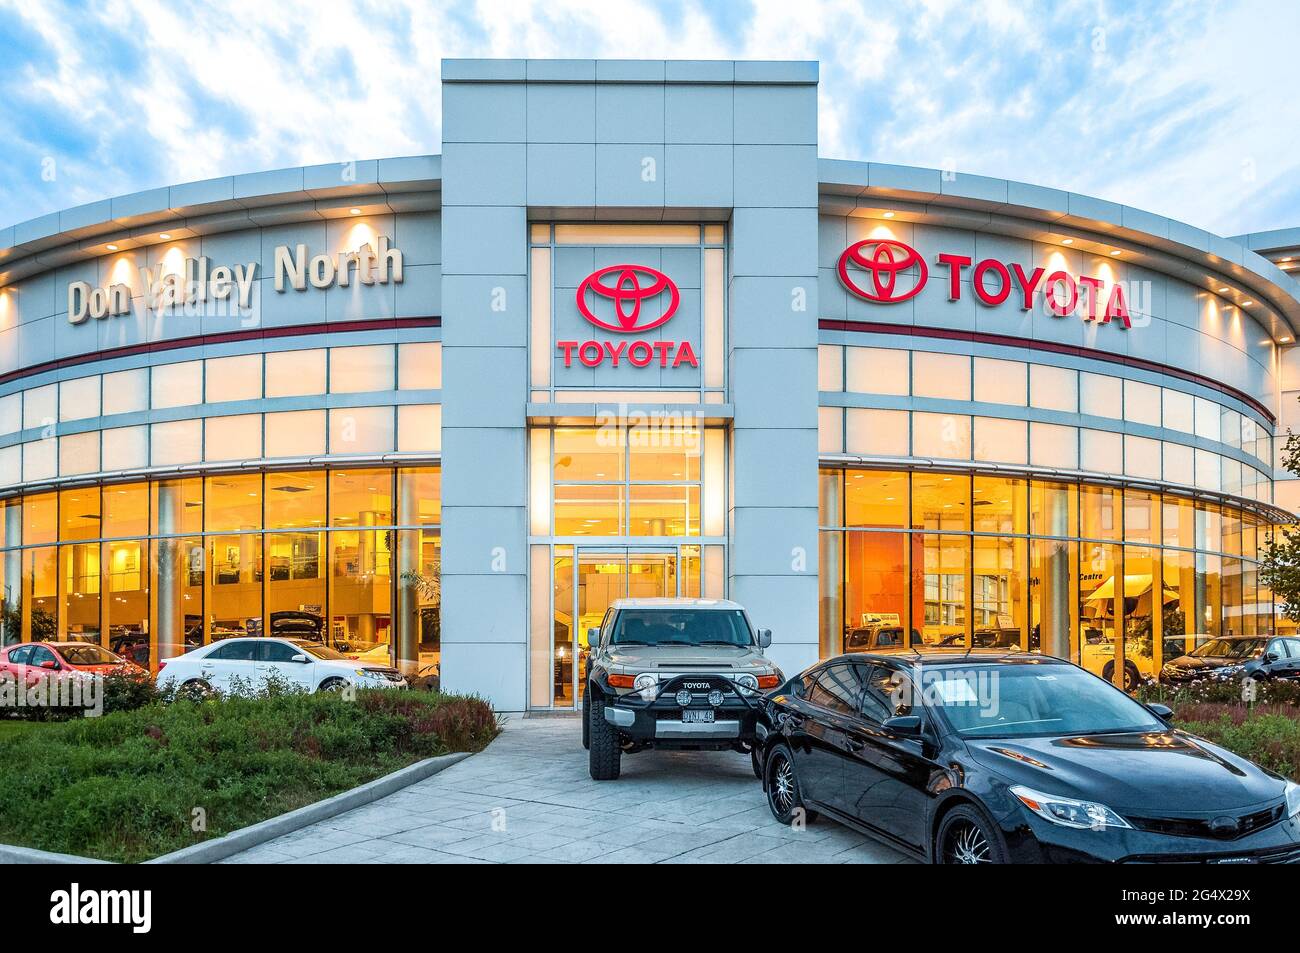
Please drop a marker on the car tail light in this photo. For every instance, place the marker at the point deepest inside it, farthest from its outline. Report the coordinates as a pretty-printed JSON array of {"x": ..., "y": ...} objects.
[
  {"x": 161, "y": 665},
  {"x": 769, "y": 681},
  {"x": 622, "y": 681}
]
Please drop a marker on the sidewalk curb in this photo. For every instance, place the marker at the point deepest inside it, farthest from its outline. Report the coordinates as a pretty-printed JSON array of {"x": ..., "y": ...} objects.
[{"x": 247, "y": 837}]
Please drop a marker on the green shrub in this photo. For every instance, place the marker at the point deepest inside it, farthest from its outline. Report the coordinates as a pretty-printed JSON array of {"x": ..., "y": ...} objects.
[
  {"x": 136, "y": 783},
  {"x": 1268, "y": 735}
]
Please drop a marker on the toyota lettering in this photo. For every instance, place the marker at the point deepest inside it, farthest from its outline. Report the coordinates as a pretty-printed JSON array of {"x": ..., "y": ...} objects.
[
  {"x": 883, "y": 260},
  {"x": 628, "y": 299}
]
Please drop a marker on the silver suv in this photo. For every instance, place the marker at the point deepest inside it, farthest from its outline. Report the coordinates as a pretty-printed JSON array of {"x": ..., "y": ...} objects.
[{"x": 673, "y": 673}]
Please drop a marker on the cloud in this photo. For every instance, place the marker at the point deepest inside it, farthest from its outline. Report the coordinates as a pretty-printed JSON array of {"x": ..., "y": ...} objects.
[{"x": 1179, "y": 108}]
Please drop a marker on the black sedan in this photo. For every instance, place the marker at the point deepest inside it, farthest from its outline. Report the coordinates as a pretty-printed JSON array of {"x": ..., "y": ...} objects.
[
  {"x": 1215, "y": 658},
  {"x": 996, "y": 758}
]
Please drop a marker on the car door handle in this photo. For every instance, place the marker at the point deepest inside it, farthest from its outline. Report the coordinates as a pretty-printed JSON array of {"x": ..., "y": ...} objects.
[{"x": 854, "y": 745}]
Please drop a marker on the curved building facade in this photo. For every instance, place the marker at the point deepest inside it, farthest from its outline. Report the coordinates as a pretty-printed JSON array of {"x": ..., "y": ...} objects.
[{"x": 629, "y": 335}]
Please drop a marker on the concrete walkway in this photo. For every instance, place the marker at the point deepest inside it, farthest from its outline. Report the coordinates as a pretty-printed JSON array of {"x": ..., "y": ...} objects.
[{"x": 528, "y": 799}]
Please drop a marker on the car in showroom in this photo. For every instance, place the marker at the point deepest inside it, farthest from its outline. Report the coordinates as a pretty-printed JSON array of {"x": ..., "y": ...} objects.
[
  {"x": 27, "y": 661},
  {"x": 1219, "y": 656},
  {"x": 243, "y": 664},
  {"x": 966, "y": 758},
  {"x": 673, "y": 673}
]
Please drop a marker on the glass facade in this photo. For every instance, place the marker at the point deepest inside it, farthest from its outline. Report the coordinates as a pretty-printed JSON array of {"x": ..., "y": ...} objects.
[
  {"x": 153, "y": 569},
  {"x": 1118, "y": 579}
]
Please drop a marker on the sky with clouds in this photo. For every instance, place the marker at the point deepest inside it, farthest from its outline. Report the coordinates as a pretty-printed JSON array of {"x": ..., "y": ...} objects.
[{"x": 1182, "y": 108}]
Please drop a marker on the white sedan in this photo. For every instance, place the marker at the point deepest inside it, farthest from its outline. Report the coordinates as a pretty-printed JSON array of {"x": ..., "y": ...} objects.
[{"x": 232, "y": 665}]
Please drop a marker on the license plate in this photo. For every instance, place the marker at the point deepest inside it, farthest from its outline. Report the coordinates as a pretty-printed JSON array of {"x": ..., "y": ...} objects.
[{"x": 694, "y": 715}]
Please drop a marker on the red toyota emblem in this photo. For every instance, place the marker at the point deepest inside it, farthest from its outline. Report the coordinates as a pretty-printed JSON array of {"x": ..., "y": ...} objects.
[
  {"x": 628, "y": 287},
  {"x": 883, "y": 259}
]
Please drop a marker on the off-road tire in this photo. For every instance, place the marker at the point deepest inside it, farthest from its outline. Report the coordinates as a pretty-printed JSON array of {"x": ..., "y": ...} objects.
[{"x": 605, "y": 754}]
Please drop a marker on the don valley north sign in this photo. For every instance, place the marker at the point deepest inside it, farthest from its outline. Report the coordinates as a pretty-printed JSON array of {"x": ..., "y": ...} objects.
[{"x": 195, "y": 281}]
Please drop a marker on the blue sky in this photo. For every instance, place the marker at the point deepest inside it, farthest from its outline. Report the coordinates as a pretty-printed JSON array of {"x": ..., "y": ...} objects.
[{"x": 1183, "y": 108}]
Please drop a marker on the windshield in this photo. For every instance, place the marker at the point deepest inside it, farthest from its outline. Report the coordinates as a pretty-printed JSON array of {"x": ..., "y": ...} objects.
[
  {"x": 1010, "y": 701},
  {"x": 1228, "y": 648},
  {"x": 88, "y": 655},
  {"x": 319, "y": 651},
  {"x": 681, "y": 627}
]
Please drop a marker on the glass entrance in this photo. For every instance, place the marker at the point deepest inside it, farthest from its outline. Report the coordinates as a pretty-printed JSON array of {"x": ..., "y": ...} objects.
[{"x": 585, "y": 585}]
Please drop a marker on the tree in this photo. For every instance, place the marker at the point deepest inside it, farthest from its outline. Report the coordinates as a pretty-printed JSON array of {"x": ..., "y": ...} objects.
[{"x": 1280, "y": 552}]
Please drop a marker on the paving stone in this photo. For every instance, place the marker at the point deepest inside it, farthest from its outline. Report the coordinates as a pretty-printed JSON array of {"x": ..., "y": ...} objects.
[{"x": 668, "y": 807}]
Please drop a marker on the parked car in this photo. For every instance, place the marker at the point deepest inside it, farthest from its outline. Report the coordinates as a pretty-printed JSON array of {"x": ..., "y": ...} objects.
[
  {"x": 676, "y": 674},
  {"x": 1012, "y": 758},
  {"x": 231, "y": 663},
  {"x": 867, "y": 638},
  {"x": 28, "y": 661},
  {"x": 1217, "y": 656},
  {"x": 1280, "y": 659}
]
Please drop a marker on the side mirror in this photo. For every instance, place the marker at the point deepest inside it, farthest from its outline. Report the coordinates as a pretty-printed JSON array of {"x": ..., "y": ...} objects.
[
  {"x": 593, "y": 638},
  {"x": 764, "y": 638},
  {"x": 1163, "y": 712},
  {"x": 1268, "y": 657},
  {"x": 905, "y": 726},
  {"x": 300, "y": 658}
]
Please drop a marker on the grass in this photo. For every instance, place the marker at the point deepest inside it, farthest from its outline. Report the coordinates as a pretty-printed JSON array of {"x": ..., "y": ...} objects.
[{"x": 136, "y": 784}]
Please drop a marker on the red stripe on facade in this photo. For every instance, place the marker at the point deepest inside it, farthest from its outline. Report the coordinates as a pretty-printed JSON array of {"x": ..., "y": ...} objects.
[
  {"x": 1006, "y": 340},
  {"x": 222, "y": 337}
]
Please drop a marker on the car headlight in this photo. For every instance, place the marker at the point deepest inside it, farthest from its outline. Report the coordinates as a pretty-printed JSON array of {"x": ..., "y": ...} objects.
[
  {"x": 366, "y": 673},
  {"x": 749, "y": 681},
  {"x": 1067, "y": 811},
  {"x": 1230, "y": 671},
  {"x": 1292, "y": 799},
  {"x": 644, "y": 682}
]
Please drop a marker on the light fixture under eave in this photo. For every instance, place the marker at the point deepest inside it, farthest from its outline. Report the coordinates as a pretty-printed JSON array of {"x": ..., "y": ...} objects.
[
  {"x": 1115, "y": 253},
  {"x": 1247, "y": 304},
  {"x": 354, "y": 211},
  {"x": 111, "y": 247},
  {"x": 889, "y": 215},
  {"x": 1223, "y": 291},
  {"x": 164, "y": 236},
  {"x": 1067, "y": 241},
  {"x": 1285, "y": 340}
]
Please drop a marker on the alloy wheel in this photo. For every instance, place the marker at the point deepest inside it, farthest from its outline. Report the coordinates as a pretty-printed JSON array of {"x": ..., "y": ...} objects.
[
  {"x": 783, "y": 785},
  {"x": 966, "y": 844}
]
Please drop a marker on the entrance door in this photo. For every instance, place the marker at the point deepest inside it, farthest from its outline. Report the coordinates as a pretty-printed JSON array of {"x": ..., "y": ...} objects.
[{"x": 602, "y": 575}]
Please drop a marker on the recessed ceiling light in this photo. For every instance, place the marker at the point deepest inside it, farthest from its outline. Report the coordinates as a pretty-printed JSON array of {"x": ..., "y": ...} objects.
[
  {"x": 164, "y": 236},
  {"x": 889, "y": 215},
  {"x": 1285, "y": 340},
  {"x": 111, "y": 247},
  {"x": 1067, "y": 241},
  {"x": 1223, "y": 291},
  {"x": 1115, "y": 253},
  {"x": 1247, "y": 304},
  {"x": 354, "y": 211}
]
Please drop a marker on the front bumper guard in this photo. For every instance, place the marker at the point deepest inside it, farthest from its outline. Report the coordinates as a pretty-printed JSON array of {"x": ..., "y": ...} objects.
[{"x": 635, "y": 712}]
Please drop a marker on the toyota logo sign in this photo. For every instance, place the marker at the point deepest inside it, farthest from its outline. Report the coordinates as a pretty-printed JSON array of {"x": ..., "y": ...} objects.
[
  {"x": 639, "y": 298},
  {"x": 629, "y": 288},
  {"x": 883, "y": 259}
]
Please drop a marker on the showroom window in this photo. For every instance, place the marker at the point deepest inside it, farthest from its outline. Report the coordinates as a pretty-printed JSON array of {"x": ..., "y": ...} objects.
[
  {"x": 1065, "y": 568},
  {"x": 151, "y": 570}
]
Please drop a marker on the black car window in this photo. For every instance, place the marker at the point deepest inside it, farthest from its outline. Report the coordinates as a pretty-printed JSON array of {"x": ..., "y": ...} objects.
[
  {"x": 836, "y": 687},
  {"x": 242, "y": 651},
  {"x": 889, "y": 693},
  {"x": 1293, "y": 646},
  {"x": 1276, "y": 647},
  {"x": 277, "y": 652},
  {"x": 20, "y": 655}
]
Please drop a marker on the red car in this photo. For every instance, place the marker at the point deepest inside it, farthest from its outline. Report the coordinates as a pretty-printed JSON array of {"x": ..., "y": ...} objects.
[{"x": 30, "y": 660}]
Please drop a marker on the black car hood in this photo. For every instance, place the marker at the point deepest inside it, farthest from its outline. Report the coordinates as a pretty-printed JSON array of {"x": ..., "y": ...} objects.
[{"x": 1144, "y": 773}]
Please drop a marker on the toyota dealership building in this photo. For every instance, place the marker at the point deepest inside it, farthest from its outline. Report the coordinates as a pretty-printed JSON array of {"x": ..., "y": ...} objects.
[{"x": 629, "y": 335}]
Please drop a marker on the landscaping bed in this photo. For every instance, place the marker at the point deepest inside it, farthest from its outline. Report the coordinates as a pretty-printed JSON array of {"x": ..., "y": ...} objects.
[
  {"x": 135, "y": 784},
  {"x": 1265, "y": 730}
]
